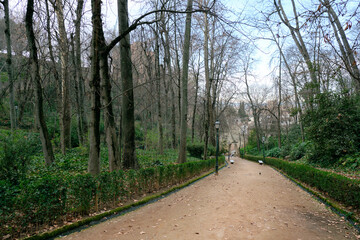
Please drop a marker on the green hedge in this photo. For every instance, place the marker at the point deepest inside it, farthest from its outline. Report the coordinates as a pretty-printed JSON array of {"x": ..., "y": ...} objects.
[
  {"x": 338, "y": 187},
  {"x": 51, "y": 196}
]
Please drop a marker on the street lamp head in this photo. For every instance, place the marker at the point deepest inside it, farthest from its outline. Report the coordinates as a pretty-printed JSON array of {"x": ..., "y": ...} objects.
[
  {"x": 217, "y": 124},
  {"x": 263, "y": 139}
]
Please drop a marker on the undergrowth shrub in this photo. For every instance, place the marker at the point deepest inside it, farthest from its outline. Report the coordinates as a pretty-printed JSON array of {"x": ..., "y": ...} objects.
[
  {"x": 274, "y": 152},
  {"x": 351, "y": 162},
  {"x": 195, "y": 149},
  {"x": 49, "y": 195},
  {"x": 16, "y": 150},
  {"x": 81, "y": 191},
  {"x": 333, "y": 126},
  {"x": 298, "y": 151},
  {"x": 42, "y": 198}
]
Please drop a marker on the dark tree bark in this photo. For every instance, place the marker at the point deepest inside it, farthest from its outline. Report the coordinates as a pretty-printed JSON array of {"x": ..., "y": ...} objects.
[
  {"x": 94, "y": 134},
  {"x": 208, "y": 111},
  {"x": 128, "y": 123},
  {"x": 214, "y": 82},
  {"x": 110, "y": 126},
  {"x": 109, "y": 118},
  {"x": 184, "y": 84},
  {"x": 35, "y": 75},
  {"x": 79, "y": 82},
  {"x": 9, "y": 65}
]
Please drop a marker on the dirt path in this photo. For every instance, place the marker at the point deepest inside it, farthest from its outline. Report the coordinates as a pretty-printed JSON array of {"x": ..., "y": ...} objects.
[{"x": 240, "y": 203}]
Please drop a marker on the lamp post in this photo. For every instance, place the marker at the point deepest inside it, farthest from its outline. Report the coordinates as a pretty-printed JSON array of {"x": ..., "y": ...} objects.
[{"x": 217, "y": 126}]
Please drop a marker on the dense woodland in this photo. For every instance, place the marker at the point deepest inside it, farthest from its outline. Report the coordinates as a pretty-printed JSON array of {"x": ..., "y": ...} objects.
[
  {"x": 180, "y": 67},
  {"x": 78, "y": 95}
]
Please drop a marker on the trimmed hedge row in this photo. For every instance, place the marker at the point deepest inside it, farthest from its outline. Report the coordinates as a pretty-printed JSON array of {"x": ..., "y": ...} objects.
[
  {"x": 51, "y": 196},
  {"x": 337, "y": 187}
]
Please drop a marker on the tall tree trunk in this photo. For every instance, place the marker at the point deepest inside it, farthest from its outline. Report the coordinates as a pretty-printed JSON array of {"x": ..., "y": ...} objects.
[
  {"x": 171, "y": 86},
  {"x": 196, "y": 76},
  {"x": 109, "y": 118},
  {"x": 94, "y": 134},
  {"x": 158, "y": 90},
  {"x": 279, "y": 107},
  {"x": 213, "y": 84},
  {"x": 35, "y": 75},
  {"x": 128, "y": 120},
  {"x": 184, "y": 84},
  {"x": 9, "y": 65},
  {"x": 51, "y": 51},
  {"x": 79, "y": 83},
  {"x": 208, "y": 111},
  {"x": 65, "y": 112},
  {"x": 178, "y": 68}
]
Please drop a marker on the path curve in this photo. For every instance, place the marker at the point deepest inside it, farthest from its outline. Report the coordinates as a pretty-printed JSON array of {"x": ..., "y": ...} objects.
[{"x": 245, "y": 201}]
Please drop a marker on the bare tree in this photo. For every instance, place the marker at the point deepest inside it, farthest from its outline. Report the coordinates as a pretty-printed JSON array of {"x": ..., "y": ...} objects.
[
  {"x": 158, "y": 85},
  {"x": 208, "y": 111},
  {"x": 298, "y": 39},
  {"x": 35, "y": 75},
  {"x": 65, "y": 110},
  {"x": 79, "y": 82},
  {"x": 94, "y": 135},
  {"x": 184, "y": 83},
  {"x": 128, "y": 125},
  {"x": 9, "y": 64},
  {"x": 346, "y": 51}
]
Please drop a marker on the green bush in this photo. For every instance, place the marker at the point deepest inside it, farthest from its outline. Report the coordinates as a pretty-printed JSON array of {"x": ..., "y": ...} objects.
[
  {"x": 16, "y": 150},
  {"x": 195, "y": 149},
  {"x": 298, "y": 151},
  {"x": 274, "y": 152},
  {"x": 333, "y": 125},
  {"x": 351, "y": 162},
  {"x": 42, "y": 198},
  {"x": 211, "y": 150},
  {"x": 81, "y": 193},
  {"x": 50, "y": 194},
  {"x": 8, "y": 194},
  {"x": 293, "y": 136}
]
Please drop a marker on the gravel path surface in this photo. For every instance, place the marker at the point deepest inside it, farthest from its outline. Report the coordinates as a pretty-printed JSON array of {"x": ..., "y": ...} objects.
[{"x": 245, "y": 201}]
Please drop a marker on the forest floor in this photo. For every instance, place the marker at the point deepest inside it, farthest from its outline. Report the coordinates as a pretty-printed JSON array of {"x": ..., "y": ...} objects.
[{"x": 245, "y": 201}]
